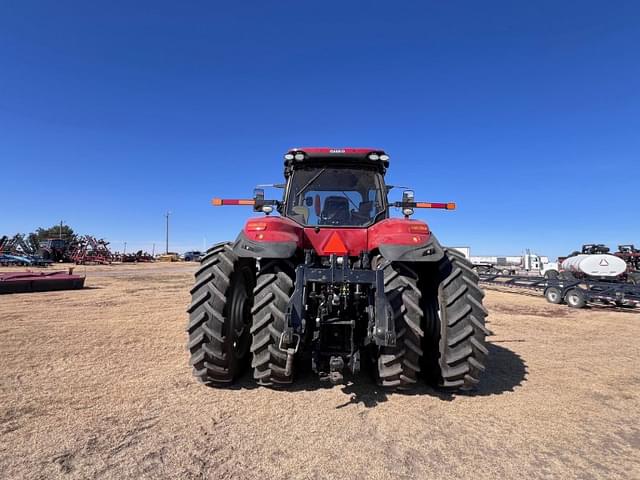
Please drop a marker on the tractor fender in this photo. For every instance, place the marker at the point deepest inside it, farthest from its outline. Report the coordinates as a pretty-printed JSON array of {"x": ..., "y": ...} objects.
[
  {"x": 431, "y": 251},
  {"x": 246, "y": 248}
]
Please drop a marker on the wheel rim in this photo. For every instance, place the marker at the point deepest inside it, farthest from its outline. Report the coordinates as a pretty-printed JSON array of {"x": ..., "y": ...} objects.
[
  {"x": 552, "y": 296},
  {"x": 572, "y": 299},
  {"x": 240, "y": 315}
]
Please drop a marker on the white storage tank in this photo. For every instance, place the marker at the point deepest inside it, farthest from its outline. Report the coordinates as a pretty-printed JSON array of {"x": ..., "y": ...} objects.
[{"x": 595, "y": 265}]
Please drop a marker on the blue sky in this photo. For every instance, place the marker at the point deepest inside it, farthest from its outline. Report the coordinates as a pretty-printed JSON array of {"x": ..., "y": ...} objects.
[{"x": 527, "y": 114}]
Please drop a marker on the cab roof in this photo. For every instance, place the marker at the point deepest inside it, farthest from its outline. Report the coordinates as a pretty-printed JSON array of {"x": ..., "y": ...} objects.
[{"x": 354, "y": 156}]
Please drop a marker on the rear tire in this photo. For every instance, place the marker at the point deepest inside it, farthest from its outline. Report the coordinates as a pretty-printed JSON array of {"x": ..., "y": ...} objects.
[
  {"x": 455, "y": 348},
  {"x": 219, "y": 316},
  {"x": 575, "y": 298},
  {"x": 398, "y": 366},
  {"x": 274, "y": 287},
  {"x": 553, "y": 295}
]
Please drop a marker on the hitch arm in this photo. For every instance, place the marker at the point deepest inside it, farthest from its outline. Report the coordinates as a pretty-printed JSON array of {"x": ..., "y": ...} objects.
[{"x": 384, "y": 324}]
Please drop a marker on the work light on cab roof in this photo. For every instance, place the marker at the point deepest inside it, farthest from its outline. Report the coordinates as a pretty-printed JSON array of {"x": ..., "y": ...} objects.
[{"x": 335, "y": 275}]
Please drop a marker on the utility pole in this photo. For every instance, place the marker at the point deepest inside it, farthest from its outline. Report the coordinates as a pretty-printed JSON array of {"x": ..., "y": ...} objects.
[
  {"x": 125, "y": 248},
  {"x": 167, "y": 239},
  {"x": 60, "y": 231}
]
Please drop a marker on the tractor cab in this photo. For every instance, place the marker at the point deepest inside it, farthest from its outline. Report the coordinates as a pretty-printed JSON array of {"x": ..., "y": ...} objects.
[
  {"x": 335, "y": 187},
  {"x": 336, "y": 196}
]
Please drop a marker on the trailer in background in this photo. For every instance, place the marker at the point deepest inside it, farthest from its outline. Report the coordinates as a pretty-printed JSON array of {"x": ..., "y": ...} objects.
[{"x": 576, "y": 293}]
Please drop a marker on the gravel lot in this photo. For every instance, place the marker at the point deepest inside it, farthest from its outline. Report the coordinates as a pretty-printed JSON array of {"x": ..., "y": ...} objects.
[{"x": 95, "y": 384}]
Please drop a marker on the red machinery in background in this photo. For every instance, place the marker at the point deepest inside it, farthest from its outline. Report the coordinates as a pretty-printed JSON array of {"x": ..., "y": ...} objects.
[{"x": 88, "y": 249}]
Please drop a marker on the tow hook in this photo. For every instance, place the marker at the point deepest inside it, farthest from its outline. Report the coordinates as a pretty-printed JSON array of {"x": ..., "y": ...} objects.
[
  {"x": 290, "y": 351},
  {"x": 336, "y": 365}
]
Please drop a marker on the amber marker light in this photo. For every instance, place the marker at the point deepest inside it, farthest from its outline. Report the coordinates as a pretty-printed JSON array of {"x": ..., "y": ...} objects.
[
  {"x": 218, "y": 202},
  {"x": 256, "y": 226},
  {"x": 418, "y": 228},
  {"x": 445, "y": 206}
]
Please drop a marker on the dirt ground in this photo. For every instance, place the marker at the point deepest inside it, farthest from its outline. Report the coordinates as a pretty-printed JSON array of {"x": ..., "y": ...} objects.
[{"x": 95, "y": 384}]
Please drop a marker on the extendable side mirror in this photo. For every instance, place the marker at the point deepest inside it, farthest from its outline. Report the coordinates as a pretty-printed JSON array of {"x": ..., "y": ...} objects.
[
  {"x": 258, "y": 197},
  {"x": 408, "y": 197}
]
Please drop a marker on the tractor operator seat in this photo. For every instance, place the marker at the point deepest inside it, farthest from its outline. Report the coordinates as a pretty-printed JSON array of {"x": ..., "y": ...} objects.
[{"x": 335, "y": 211}]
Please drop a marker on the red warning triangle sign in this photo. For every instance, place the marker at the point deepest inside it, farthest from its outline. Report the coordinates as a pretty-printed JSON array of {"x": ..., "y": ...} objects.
[{"x": 335, "y": 245}]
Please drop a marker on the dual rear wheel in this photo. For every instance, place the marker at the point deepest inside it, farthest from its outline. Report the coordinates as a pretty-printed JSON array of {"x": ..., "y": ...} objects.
[
  {"x": 574, "y": 298},
  {"x": 440, "y": 324},
  {"x": 236, "y": 316},
  {"x": 220, "y": 316}
]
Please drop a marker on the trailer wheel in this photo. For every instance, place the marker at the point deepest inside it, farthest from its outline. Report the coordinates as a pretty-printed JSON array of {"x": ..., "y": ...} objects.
[
  {"x": 551, "y": 274},
  {"x": 575, "y": 298},
  {"x": 454, "y": 343},
  {"x": 220, "y": 316},
  {"x": 274, "y": 287},
  {"x": 553, "y": 295},
  {"x": 398, "y": 366}
]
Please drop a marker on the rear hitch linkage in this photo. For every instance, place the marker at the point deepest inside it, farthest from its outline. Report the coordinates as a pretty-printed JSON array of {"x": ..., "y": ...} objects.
[
  {"x": 286, "y": 339},
  {"x": 384, "y": 326}
]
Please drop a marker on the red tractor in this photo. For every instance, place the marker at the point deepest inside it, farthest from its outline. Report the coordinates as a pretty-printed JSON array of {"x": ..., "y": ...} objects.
[{"x": 334, "y": 281}]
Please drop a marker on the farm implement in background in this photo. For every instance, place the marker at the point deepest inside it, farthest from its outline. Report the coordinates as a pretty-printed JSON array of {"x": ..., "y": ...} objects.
[
  {"x": 88, "y": 249},
  {"x": 137, "y": 257},
  {"x": 25, "y": 282},
  {"x": 574, "y": 292},
  {"x": 16, "y": 251}
]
